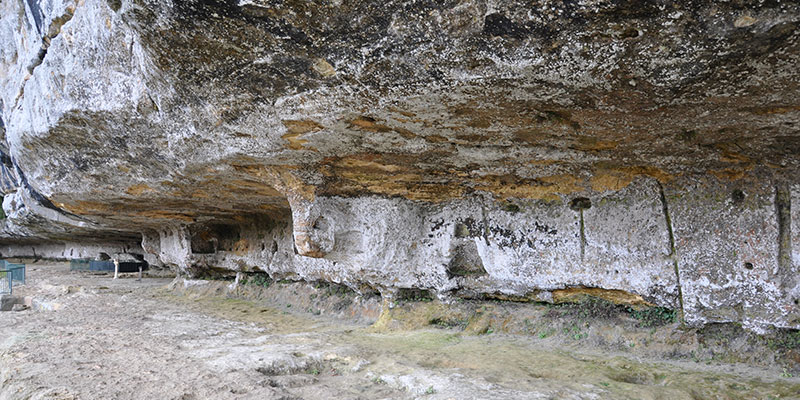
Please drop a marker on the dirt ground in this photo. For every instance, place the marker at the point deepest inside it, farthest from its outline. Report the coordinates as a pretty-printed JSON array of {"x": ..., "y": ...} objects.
[{"x": 91, "y": 337}]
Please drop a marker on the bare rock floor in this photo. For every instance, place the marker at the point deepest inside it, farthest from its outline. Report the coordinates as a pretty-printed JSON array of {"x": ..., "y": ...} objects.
[{"x": 92, "y": 337}]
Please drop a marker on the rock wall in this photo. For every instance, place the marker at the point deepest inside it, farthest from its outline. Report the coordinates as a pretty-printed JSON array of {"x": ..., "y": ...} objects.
[
  {"x": 710, "y": 248},
  {"x": 643, "y": 151},
  {"x": 67, "y": 250}
]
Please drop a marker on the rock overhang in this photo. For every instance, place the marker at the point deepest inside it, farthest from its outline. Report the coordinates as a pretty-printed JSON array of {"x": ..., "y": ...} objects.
[{"x": 285, "y": 136}]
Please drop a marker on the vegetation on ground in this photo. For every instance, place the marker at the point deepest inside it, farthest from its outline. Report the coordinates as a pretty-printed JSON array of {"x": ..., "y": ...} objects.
[
  {"x": 257, "y": 279},
  {"x": 597, "y": 308},
  {"x": 788, "y": 339}
]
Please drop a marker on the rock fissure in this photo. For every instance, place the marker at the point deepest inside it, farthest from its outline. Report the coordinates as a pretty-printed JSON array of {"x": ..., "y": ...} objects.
[
  {"x": 783, "y": 212},
  {"x": 673, "y": 256},
  {"x": 53, "y": 30}
]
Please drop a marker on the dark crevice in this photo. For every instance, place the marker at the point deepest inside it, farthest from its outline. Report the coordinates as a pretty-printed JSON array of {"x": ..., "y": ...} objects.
[
  {"x": 485, "y": 223},
  {"x": 36, "y": 12},
  {"x": 214, "y": 237},
  {"x": 39, "y": 57},
  {"x": 6, "y": 160},
  {"x": 665, "y": 210},
  {"x": 583, "y": 237},
  {"x": 2, "y": 124},
  {"x": 44, "y": 201},
  {"x": 737, "y": 196},
  {"x": 52, "y": 31},
  {"x": 783, "y": 209},
  {"x": 579, "y": 204},
  {"x": 498, "y": 24},
  {"x": 465, "y": 260},
  {"x": 41, "y": 199},
  {"x": 672, "y": 253}
]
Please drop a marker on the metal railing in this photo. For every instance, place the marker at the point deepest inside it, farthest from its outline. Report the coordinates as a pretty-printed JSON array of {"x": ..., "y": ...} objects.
[
  {"x": 10, "y": 275},
  {"x": 5, "y": 283}
]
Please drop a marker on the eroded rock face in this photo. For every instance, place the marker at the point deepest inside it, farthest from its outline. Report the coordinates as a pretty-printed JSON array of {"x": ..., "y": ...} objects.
[{"x": 464, "y": 147}]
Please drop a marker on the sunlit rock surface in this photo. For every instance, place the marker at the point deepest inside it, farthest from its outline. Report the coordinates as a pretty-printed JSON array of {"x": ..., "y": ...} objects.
[{"x": 464, "y": 147}]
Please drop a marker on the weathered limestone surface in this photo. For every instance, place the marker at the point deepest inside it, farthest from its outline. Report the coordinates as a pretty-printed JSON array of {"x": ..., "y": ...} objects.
[
  {"x": 518, "y": 149},
  {"x": 68, "y": 250},
  {"x": 730, "y": 249}
]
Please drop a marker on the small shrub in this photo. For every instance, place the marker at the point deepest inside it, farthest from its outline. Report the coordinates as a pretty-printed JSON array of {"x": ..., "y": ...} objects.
[
  {"x": 784, "y": 340},
  {"x": 449, "y": 323},
  {"x": 330, "y": 289},
  {"x": 262, "y": 280},
  {"x": 654, "y": 316},
  {"x": 575, "y": 332},
  {"x": 546, "y": 333},
  {"x": 406, "y": 295},
  {"x": 589, "y": 308}
]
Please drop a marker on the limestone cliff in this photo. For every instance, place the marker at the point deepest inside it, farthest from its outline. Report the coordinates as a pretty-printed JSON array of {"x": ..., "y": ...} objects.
[{"x": 467, "y": 147}]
